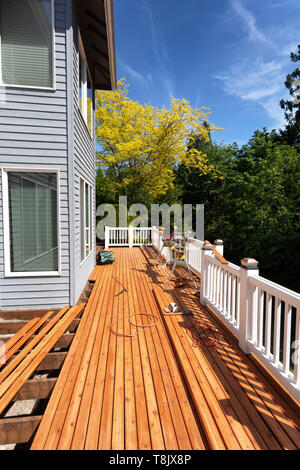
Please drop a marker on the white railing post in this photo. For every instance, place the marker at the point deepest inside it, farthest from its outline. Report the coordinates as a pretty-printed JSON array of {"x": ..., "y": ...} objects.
[
  {"x": 130, "y": 236},
  {"x": 219, "y": 245},
  {"x": 106, "y": 237},
  {"x": 188, "y": 236},
  {"x": 153, "y": 235},
  {"x": 206, "y": 251},
  {"x": 249, "y": 267},
  {"x": 160, "y": 237}
]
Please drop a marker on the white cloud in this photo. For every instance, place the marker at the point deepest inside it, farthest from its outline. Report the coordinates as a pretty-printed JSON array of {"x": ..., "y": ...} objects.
[
  {"x": 286, "y": 49},
  {"x": 133, "y": 73},
  {"x": 283, "y": 4},
  {"x": 249, "y": 21},
  {"x": 160, "y": 51},
  {"x": 247, "y": 79},
  {"x": 259, "y": 82},
  {"x": 274, "y": 111},
  {"x": 259, "y": 93},
  {"x": 258, "y": 74}
]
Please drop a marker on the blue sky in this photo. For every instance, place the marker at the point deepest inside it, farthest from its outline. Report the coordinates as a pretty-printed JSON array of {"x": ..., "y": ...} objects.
[{"x": 231, "y": 56}]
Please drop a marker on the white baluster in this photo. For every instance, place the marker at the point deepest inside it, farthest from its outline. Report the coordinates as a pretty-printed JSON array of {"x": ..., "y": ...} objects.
[{"x": 287, "y": 338}]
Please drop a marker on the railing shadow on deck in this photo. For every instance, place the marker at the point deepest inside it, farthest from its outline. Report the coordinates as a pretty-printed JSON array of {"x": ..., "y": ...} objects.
[{"x": 229, "y": 353}]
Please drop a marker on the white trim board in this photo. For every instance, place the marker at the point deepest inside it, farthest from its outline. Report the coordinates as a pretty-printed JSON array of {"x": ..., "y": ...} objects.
[{"x": 6, "y": 224}]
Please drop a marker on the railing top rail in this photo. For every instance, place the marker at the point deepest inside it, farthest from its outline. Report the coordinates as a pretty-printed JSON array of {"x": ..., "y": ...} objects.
[
  {"x": 219, "y": 256},
  {"x": 196, "y": 241},
  {"x": 275, "y": 289},
  {"x": 127, "y": 228},
  {"x": 232, "y": 268}
]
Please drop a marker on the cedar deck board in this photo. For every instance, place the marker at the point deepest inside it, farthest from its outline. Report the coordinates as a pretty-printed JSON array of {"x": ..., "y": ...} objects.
[{"x": 117, "y": 392}]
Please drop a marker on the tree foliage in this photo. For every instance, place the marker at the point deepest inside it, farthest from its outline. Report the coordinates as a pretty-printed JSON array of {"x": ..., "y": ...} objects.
[
  {"x": 140, "y": 145},
  {"x": 291, "y": 133},
  {"x": 255, "y": 208}
]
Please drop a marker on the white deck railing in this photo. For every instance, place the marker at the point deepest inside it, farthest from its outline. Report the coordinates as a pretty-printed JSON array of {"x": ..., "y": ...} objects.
[
  {"x": 115, "y": 236},
  {"x": 128, "y": 236},
  {"x": 263, "y": 315},
  {"x": 193, "y": 254},
  {"x": 274, "y": 329},
  {"x": 221, "y": 290}
]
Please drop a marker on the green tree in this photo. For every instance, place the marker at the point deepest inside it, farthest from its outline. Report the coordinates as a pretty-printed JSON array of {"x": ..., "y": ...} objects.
[
  {"x": 255, "y": 208},
  {"x": 139, "y": 145},
  {"x": 291, "y": 133}
]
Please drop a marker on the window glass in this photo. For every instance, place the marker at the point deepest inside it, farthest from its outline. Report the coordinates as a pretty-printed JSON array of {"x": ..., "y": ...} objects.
[
  {"x": 85, "y": 91},
  {"x": 81, "y": 67},
  {"x": 26, "y": 43},
  {"x": 89, "y": 105},
  {"x": 86, "y": 218},
  {"x": 33, "y": 221}
]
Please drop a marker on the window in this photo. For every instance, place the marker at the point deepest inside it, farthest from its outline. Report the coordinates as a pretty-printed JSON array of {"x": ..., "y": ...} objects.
[
  {"x": 26, "y": 34},
  {"x": 85, "y": 90},
  {"x": 31, "y": 212},
  {"x": 86, "y": 216}
]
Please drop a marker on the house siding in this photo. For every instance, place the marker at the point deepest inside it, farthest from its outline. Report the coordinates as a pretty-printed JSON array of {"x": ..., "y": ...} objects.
[
  {"x": 83, "y": 167},
  {"x": 33, "y": 133}
]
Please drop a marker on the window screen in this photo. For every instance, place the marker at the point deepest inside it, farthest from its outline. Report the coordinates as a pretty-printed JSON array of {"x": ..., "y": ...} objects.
[
  {"x": 26, "y": 43},
  {"x": 33, "y": 221}
]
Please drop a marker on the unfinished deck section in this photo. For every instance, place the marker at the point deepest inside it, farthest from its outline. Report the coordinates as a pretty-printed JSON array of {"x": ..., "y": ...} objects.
[
  {"x": 161, "y": 386},
  {"x": 21, "y": 357}
]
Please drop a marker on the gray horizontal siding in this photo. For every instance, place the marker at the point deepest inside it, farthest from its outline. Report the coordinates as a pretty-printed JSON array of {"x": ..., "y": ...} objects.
[
  {"x": 33, "y": 133},
  {"x": 84, "y": 167}
]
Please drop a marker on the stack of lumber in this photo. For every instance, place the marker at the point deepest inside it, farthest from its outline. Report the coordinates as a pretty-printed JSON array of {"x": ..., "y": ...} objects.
[{"x": 33, "y": 342}]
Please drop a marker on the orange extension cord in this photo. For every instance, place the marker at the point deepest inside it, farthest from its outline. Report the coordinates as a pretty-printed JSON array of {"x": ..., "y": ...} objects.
[{"x": 155, "y": 319}]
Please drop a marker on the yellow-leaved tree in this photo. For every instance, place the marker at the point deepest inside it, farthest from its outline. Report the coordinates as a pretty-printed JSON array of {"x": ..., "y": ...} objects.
[{"x": 139, "y": 145}]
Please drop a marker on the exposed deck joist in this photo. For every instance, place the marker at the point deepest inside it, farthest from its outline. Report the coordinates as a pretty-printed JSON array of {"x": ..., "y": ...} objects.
[
  {"x": 24, "y": 351},
  {"x": 18, "y": 430}
]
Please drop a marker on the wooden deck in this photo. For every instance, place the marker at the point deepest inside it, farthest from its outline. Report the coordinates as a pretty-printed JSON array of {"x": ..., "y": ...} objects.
[{"x": 181, "y": 383}]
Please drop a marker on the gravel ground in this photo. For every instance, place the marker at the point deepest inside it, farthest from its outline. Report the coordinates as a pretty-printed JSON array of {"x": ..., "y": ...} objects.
[{"x": 19, "y": 408}]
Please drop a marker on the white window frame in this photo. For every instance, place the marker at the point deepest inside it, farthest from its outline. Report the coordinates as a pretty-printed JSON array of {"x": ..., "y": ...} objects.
[
  {"x": 29, "y": 87},
  {"x": 6, "y": 224},
  {"x": 83, "y": 229},
  {"x": 85, "y": 72}
]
